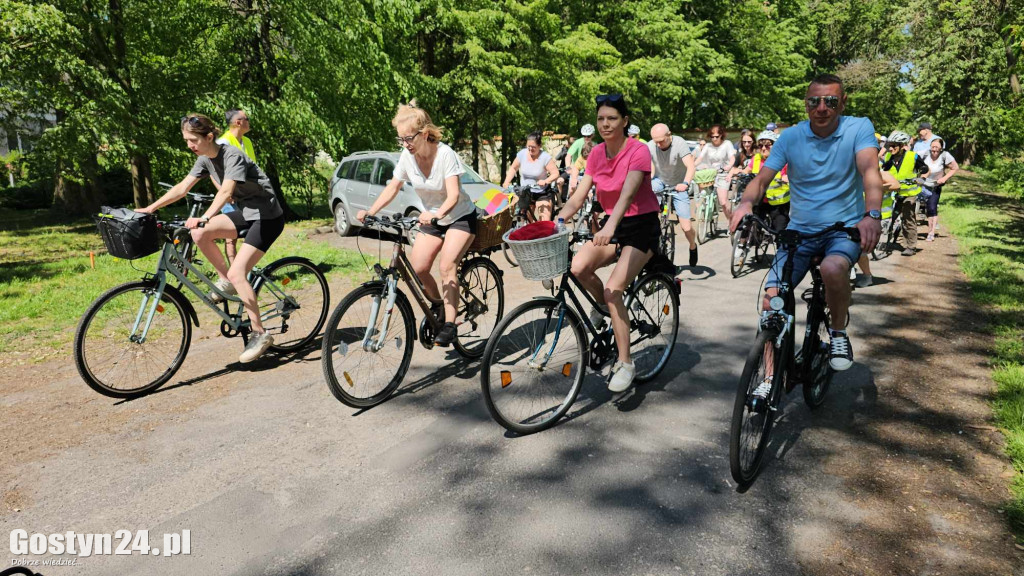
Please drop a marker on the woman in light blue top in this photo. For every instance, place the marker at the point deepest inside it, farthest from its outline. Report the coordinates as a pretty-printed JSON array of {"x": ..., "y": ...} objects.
[{"x": 534, "y": 167}]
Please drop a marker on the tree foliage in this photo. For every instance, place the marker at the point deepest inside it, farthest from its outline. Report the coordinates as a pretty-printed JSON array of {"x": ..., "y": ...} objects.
[{"x": 326, "y": 75}]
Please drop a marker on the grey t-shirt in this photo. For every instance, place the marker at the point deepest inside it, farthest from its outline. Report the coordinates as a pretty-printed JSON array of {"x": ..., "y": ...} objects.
[
  {"x": 253, "y": 192},
  {"x": 668, "y": 164},
  {"x": 532, "y": 170}
]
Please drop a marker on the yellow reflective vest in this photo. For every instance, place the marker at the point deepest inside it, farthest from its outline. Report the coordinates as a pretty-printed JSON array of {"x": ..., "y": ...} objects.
[
  {"x": 778, "y": 191},
  {"x": 905, "y": 172},
  {"x": 244, "y": 146}
]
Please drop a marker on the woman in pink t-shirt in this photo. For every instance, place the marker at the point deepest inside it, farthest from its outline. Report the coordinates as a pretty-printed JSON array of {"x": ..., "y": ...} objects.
[{"x": 620, "y": 169}]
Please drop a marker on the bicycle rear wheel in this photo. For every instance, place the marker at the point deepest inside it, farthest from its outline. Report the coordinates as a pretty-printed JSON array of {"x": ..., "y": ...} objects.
[
  {"x": 301, "y": 298},
  {"x": 481, "y": 305},
  {"x": 533, "y": 366},
  {"x": 817, "y": 376},
  {"x": 752, "y": 418},
  {"x": 653, "y": 324},
  {"x": 360, "y": 375},
  {"x": 108, "y": 353}
]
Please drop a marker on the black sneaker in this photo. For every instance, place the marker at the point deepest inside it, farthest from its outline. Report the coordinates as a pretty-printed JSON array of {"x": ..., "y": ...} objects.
[
  {"x": 446, "y": 335},
  {"x": 693, "y": 257},
  {"x": 840, "y": 354}
]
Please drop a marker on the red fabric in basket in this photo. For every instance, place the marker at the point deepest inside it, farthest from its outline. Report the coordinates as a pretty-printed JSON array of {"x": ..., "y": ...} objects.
[{"x": 533, "y": 231}]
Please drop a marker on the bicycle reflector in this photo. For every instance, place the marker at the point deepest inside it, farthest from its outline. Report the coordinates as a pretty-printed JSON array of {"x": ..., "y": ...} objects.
[
  {"x": 506, "y": 378},
  {"x": 567, "y": 369},
  {"x": 349, "y": 380},
  {"x": 664, "y": 309},
  {"x": 285, "y": 281},
  {"x": 160, "y": 308}
]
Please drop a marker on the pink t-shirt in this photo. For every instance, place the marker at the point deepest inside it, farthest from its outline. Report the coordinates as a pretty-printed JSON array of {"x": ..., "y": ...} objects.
[{"x": 610, "y": 175}]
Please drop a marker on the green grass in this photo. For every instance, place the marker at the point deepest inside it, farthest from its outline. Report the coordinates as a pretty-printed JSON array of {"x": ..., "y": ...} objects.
[
  {"x": 990, "y": 230},
  {"x": 47, "y": 281}
]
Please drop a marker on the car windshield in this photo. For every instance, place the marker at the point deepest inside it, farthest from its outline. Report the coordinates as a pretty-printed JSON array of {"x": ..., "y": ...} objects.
[{"x": 471, "y": 177}]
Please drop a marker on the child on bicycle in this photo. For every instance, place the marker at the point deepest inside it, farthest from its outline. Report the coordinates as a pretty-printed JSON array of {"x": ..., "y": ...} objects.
[
  {"x": 620, "y": 168},
  {"x": 259, "y": 215},
  {"x": 433, "y": 169}
]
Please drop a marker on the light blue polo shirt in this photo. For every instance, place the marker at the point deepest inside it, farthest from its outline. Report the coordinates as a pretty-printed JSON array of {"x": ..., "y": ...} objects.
[{"x": 824, "y": 184}]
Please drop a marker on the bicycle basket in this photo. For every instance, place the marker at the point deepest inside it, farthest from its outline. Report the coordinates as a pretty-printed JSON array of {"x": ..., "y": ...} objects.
[
  {"x": 127, "y": 234},
  {"x": 705, "y": 178},
  {"x": 543, "y": 258},
  {"x": 490, "y": 229}
]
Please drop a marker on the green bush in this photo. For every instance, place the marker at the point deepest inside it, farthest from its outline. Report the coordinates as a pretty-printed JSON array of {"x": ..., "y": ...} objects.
[
  {"x": 1006, "y": 175},
  {"x": 27, "y": 196}
]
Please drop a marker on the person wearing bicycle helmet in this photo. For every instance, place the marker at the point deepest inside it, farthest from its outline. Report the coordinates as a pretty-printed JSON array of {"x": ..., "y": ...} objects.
[
  {"x": 259, "y": 215},
  {"x": 833, "y": 177},
  {"x": 774, "y": 207},
  {"x": 905, "y": 166},
  {"x": 535, "y": 166},
  {"x": 620, "y": 169},
  {"x": 634, "y": 133},
  {"x": 587, "y": 133},
  {"x": 433, "y": 169}
]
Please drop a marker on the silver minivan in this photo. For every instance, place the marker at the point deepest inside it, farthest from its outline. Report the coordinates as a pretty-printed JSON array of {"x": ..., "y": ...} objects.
[{"x": 362, "y": 176}]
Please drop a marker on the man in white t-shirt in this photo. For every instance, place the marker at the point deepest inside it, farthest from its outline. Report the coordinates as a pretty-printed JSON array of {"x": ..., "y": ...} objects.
[{"x": 672, "y": 167}]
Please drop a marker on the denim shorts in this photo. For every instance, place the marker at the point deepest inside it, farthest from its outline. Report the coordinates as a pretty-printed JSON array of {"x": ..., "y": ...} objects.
[
  {"x": 680, "y": 203},
  {"x": 833, "y": 243}
]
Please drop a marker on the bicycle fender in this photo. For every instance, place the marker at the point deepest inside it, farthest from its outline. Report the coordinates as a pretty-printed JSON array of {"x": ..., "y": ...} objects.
[
  {"x": 466, "y": 263},
  {"x": 400, "y": 300},
  {"x": 185, "y": 303}
]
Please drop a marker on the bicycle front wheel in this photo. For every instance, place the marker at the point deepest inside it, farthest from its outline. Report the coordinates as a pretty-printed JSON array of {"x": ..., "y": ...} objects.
[
  {"x": 481, "y": 305},
  {"x": 668, "y": 239},
  {"x": 110, "y": 353},
  {"x": 653, "y": 325},
  {"x": 753, "y": 414},
  {"x": 740, "y": 250},
  {"x": 301, "y": 298},
  {"x": 366, "y": 353},
  {"x": 533, "y": 366},
  {"x": 702, "y": 219}
]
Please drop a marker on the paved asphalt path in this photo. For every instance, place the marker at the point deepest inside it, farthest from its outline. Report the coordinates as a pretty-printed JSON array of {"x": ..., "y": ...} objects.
[{"x": 278, "y": 478}]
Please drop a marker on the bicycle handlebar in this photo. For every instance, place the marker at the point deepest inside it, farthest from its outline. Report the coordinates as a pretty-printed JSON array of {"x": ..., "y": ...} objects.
[
  {"x": 801, "y": 236},
  {"x": 396, "y": 222}
]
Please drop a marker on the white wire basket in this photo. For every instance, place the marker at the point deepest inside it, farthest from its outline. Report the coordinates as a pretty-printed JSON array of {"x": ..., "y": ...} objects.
[{"x": 543, "y": 258}]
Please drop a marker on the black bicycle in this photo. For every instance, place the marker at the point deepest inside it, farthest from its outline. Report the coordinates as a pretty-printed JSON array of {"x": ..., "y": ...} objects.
[
  {"x": 535, "y": 361},
  {"x": 773, "y": 367}
]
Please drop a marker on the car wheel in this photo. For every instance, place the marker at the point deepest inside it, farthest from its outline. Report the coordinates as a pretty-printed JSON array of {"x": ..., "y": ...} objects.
[
  {"x": 411, "y": 235},
  {"x": 341, "y": 223}
]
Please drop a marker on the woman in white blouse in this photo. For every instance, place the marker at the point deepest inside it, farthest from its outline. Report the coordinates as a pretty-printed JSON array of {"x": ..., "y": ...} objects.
[
  {"x": 719, "y": 154},
  {"x": 433, "y": 170},
  {"x": 941, "y": 167}
]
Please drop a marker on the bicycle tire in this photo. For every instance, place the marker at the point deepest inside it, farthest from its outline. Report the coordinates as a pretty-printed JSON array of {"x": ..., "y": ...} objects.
[
  {"x": 295, "y": 275},
  {"x": 518, "y": 402},
  {"x": 736, "y": 264},
  {"x": 111, "y": 318},
  {"x": 702, "y": 216},
  {"x": 656, "y": 320},
  {"x": 482, "y": 279},
  {"x": 668, "y": 240},
  {"x": 818, "y": 374},
  {"x": 375, "y": 377},
  {"x": 746, "y": 451}
]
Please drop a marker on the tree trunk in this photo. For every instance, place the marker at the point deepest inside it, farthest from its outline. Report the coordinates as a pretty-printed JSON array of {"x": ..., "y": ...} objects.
[
  {"x": 275, "y": 180},
  {"x": 142, "y": 180}
]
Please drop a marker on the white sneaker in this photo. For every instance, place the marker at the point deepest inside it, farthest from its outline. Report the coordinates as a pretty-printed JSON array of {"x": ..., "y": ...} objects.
[
  {"x": 258, "y": 344},
  {"x": 622, "y": 377},
  {"x": 864, "y": 281},
  {"x": 853, "y": 273},
  {"x": 763, "y": 389},
  {"x": 597, "y": 317},
  {"x": 840, "y": 356},
  {"x": 225, "y": 287}
]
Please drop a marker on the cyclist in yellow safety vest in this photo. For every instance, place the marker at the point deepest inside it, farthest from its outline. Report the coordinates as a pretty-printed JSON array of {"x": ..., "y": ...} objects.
[
  {"x": 238, "y": 126},
  {"x": 775, "y": 206},
  {"x": 905, "y": 167}
]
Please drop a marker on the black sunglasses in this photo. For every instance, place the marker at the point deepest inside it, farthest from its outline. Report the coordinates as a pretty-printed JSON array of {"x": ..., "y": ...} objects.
[
  {"x": 608, "y": 99},
  {"x": 832, "y": 102},
  {"x": 193, "y": 121},
  {"x": 406, "y": 139}
]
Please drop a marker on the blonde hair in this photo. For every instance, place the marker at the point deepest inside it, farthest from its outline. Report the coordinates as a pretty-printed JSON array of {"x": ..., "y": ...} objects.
[{"x": 412, "y": 114}]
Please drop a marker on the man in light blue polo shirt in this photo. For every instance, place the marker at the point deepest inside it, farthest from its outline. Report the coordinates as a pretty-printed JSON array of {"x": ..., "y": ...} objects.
[{"x": 833, "y": 177}]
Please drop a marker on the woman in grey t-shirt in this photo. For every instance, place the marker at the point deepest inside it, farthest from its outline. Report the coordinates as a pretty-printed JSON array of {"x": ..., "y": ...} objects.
[
  {"x": 534, "y": 167},
  {"x": 240, "y": 180}
]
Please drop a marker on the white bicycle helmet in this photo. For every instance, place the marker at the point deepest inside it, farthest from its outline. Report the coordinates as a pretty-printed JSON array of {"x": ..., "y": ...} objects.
[
  {"x": 898, "y": 137},
  {"x": 767, "y": 135},
  {"x": 634, "y": 129},
  {"x": 587, "y": 130}
]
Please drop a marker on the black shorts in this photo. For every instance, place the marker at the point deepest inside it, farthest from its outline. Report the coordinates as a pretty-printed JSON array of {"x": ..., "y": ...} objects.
[
  {"x": 467, "y": 224},
  {"x": 777, "y": 216},
  {"x": 642, "y": 232},
  {"x": 259, "y": 234}
]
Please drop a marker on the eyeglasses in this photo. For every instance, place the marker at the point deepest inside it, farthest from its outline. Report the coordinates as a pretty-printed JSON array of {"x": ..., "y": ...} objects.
[
  {"x": 406, "y": 140},
  {"x": 765, "y": 144},
  {"x": 747, "y": 141},
  {"x": 832, "y": 102},
  {"x": 715, "y": 136},
  {"x": 608, "y": 99}
]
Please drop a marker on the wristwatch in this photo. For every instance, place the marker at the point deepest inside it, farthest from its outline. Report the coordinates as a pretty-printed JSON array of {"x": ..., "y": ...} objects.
[
  {"x": 204, "y": 219},
  {"x": 874, "y": 214}
]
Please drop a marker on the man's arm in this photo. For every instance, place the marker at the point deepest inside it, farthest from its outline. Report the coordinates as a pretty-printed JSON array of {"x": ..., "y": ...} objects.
[{"x": 870, "y": 228}]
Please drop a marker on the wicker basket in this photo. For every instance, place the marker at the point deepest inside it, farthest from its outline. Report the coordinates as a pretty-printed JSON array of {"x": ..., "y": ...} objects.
[
  {"x": 490, "y": 229},
  {"x": 543, "y": 258}
]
